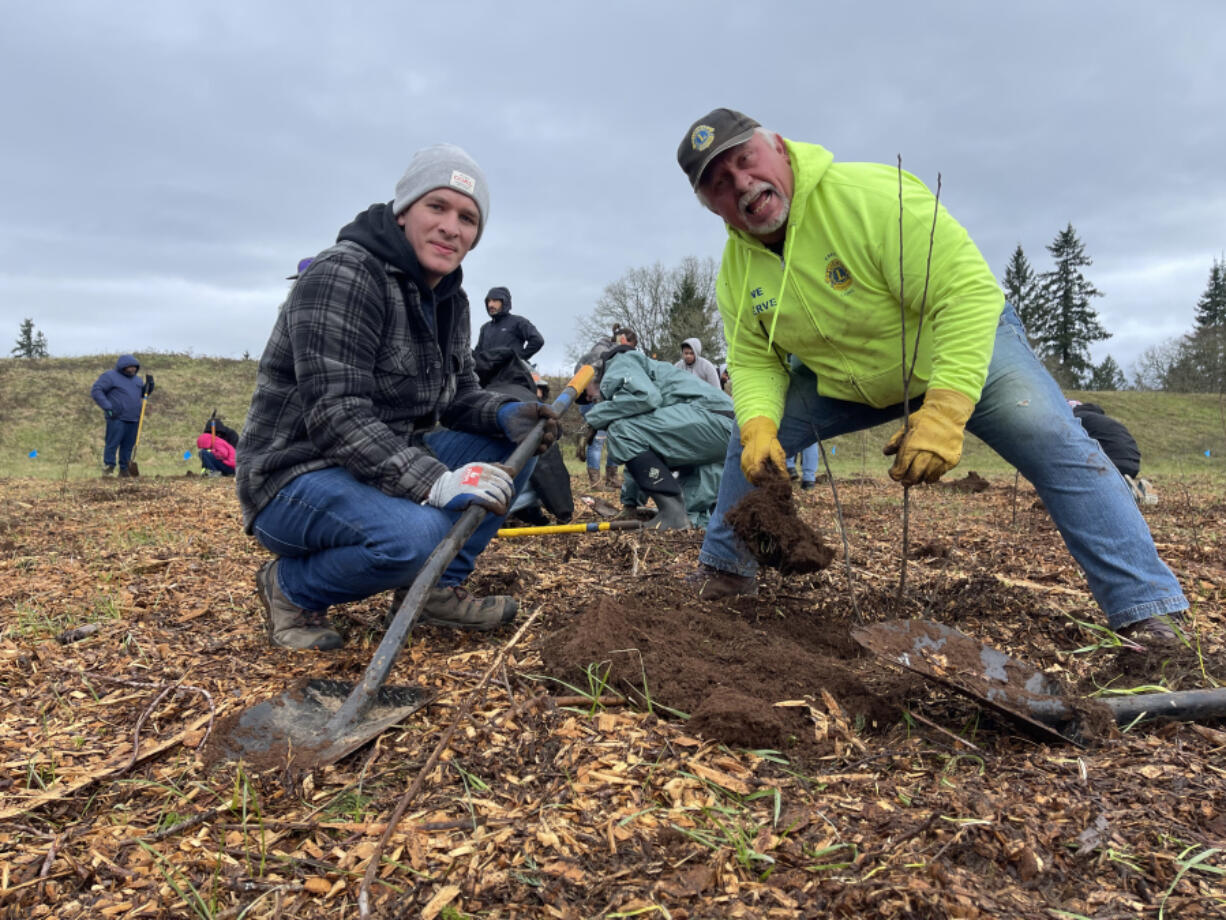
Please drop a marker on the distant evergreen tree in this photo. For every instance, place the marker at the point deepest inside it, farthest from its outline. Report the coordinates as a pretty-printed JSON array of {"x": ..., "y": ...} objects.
[
  {"x": 30, "y": 344},
  {"x": 1073, "y": 323},
  {"x": 1021, "y": 287},
  {"x": 1107, "y": 376},
  {"x": 1211, "y": 308},
  {"x": 692, "y": 312}
]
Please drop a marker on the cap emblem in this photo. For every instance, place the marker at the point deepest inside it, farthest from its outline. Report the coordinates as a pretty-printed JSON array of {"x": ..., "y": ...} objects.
[
  {"x": 463, "y": 181},
  {"x": 701, "y": 137}
]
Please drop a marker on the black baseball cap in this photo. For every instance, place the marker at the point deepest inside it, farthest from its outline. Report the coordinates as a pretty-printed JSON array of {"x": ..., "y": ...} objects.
[{"x": 710, "y": 136}]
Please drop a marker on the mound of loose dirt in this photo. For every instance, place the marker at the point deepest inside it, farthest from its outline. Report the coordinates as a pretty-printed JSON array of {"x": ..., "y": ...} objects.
[{"x": 727, "y": 668}]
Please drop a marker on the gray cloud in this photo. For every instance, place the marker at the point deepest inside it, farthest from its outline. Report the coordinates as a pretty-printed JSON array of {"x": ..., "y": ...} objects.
[{"x": 165, "y": 167}]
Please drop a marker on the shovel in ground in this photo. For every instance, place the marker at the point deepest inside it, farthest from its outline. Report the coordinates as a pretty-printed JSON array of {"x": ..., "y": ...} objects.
[
  {"x": 318, "y": 722},
  {"x": 1021, "y": 693},
  {"x": 133, "y": 469}
]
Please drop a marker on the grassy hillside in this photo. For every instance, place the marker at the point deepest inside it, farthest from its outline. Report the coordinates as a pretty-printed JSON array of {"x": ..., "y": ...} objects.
[{"x": 45, "y": 407}]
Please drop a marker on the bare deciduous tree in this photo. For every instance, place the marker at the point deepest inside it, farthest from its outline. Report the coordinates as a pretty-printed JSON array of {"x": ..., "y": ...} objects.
[{"x": 657, "y": 302}]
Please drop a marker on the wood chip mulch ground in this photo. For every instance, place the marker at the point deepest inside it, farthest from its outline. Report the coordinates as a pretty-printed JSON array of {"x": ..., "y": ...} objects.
[{"x": 634, "y": 753}]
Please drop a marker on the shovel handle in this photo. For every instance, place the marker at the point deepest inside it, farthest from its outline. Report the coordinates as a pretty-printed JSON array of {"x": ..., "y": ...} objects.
[
  {"x": 359, "y": 701},
  {"x": 1190, "y": 705},
  {"x": 588, "y": 527}
]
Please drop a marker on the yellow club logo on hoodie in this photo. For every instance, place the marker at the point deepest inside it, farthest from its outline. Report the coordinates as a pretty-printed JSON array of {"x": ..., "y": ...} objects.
[{"x": 837, "y": 275}]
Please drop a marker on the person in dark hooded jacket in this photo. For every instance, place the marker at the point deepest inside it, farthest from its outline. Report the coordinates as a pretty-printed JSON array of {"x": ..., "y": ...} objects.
[
  {"x": 119, "y": 393},
  {"x": 504, "y": 332},
  {"x": 342, "y": 471},
  {"x": 1118, "y": 444}
]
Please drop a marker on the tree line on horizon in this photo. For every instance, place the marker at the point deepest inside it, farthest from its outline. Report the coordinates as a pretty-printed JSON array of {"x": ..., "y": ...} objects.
[
  {"x": 666, "y": 305},
  {"x": 1056, "y": 309}
]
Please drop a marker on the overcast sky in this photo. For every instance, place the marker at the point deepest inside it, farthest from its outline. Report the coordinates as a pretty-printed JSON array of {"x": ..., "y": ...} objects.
[{"x": 165, "y": 165}]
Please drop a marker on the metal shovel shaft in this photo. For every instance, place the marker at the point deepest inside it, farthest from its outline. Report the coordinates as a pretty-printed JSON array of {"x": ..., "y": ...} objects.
[
  {"x": 362, "y": 698},
  {"x": 1189, "y": 705}
]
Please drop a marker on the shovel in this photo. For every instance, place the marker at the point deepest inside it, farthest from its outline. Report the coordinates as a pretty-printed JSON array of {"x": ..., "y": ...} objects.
[
  {"x": 133, "y": 469},
  {"x": 586, "y": 527},
  {"x": 1021, "y": 693},
  {"x": 320, "y": 721}
]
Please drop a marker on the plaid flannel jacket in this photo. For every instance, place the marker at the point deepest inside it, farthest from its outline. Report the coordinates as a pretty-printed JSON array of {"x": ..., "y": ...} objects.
[{"x": 353, "y": 374}]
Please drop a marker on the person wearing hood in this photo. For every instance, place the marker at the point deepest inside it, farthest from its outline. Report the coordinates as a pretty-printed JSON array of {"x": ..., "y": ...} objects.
[
  {"x": 368, "y": 432},
  {"x": 669, "y": 429},
  {"x": 505, "y": 332},
  {"x": 819, "y": 257},
  {"x": 1118, "y": 444},
  {"x": 120, "y": 393},
  {"x": 693, "y": 362}
]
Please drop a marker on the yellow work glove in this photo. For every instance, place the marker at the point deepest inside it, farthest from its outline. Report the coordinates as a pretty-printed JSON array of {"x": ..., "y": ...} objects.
[
  {"x": 931, "y": 444},
  {"x": 761, "y": 450}
]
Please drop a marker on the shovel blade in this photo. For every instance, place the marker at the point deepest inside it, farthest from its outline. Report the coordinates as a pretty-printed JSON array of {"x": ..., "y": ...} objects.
[
  {"x": 287, "y": 731},
  {"x": 1017, "y": 691}
]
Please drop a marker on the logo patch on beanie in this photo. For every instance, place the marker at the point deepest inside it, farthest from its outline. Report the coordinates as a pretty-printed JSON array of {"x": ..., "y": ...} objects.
[
  {"x": 463, "y": 181},
  {"x": 701, "y": 137}
]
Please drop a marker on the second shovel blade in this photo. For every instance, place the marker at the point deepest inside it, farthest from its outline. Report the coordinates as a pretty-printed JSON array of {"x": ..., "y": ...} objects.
[{"x": 1016, "y": 690}]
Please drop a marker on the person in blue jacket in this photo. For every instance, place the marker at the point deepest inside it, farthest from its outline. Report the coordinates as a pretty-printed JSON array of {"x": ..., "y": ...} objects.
[{"x": 118, "y": 393}]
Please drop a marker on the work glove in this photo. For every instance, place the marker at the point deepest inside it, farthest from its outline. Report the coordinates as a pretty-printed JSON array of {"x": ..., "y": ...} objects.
[
  {"x": 761, "y": 453},
  {"x": 486, "y": 484},
  {"x": 148, "y": 384},
  {"x": 586, "y": 433},
  {"x": 517, "y": 419},
  {"x": 931, "y": 443}
]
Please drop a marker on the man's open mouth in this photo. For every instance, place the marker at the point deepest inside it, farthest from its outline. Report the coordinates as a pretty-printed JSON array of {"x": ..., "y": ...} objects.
[{"x": 758, "y": 203}]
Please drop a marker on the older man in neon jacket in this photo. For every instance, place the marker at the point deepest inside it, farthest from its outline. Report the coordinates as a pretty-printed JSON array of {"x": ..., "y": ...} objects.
[{"x": 812, "y": 268}]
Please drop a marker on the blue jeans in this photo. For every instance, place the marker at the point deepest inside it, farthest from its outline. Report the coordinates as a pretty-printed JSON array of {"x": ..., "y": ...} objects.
[
  {"x": 209, "y": 462},
  {"x": 120, "y": 438},
  {"x": 808, "y": 462},
  {"x": 1024, "y": 417},
  {"x": 595, "y": 446},
  {"x": 342, "y": 540}
]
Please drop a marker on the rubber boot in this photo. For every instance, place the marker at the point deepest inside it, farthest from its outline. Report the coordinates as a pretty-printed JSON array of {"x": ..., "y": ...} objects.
[
  {"x": 611, "y": 479},
  {"x": 657, "y": 480},
  {"x": 671, "y": 514}
]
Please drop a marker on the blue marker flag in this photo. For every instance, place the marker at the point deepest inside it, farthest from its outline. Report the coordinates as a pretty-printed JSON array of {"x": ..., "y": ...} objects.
[
  {"x": 834, "y": 449},
  {"x": 1206, "y": 454},
  {"x": 187, "y": 455},
  {"x": 34, "y": 454}
]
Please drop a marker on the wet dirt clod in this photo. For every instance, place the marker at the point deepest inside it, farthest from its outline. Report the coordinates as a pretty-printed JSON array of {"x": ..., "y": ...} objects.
[{"x": 767, "y": 523}]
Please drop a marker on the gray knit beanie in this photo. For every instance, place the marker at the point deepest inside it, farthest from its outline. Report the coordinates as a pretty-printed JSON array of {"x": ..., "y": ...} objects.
[{"x": 444, "y": 166}]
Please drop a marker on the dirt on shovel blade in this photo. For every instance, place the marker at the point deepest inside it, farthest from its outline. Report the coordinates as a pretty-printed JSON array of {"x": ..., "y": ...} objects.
[
  {"x": 767, "y": 523},
  {"x": 285, "y": 731}
]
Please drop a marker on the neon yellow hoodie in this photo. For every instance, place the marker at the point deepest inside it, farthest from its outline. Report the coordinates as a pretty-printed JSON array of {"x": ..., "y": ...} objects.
[{"x": 833, "y": 299}]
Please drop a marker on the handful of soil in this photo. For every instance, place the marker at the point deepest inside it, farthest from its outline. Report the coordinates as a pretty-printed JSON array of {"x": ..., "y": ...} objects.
[{"x": 767, "y": 523}]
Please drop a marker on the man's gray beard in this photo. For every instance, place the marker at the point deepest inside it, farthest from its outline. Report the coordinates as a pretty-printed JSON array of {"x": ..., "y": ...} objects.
[{"x": 759, "y": 229}]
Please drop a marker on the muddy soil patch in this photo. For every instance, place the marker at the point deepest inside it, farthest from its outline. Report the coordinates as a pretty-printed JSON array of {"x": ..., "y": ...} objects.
[{"x": 727, "y": 668}]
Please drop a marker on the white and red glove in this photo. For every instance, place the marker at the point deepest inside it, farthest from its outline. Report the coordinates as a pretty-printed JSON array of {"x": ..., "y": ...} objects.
[{"x": 484, "y": 484}]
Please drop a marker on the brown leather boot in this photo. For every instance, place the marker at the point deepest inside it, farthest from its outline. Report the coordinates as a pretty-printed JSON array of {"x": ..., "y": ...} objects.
[
  {"x": 611, "y": 479},
  {"x": 713, "y": 584},
  {"x": 593, "y": 477},
  {"x": 289, "y": 625}
]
